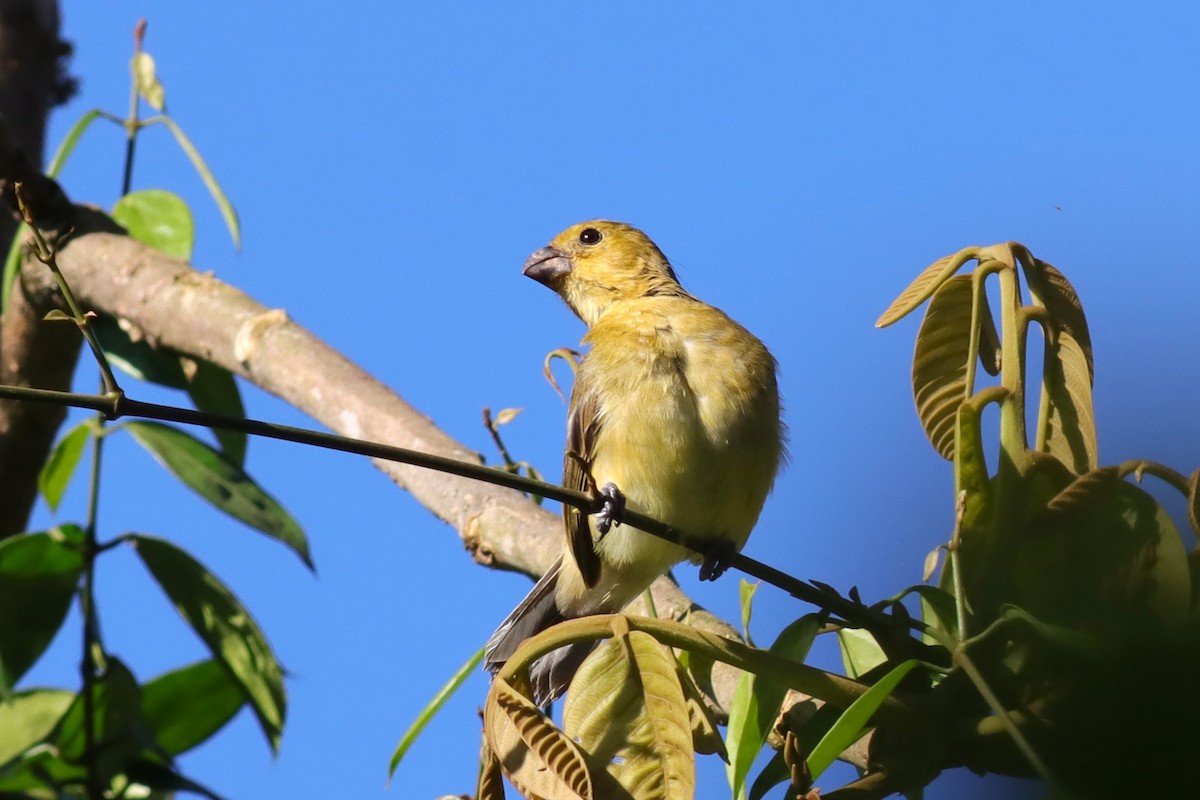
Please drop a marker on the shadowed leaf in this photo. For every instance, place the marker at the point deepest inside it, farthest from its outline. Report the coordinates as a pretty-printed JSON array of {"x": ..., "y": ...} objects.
[
  {"x": 127, "y": 350},
  {"x": 119, "y": 732},
  {"x": 940, "y": 362},
  {"x": 1103, "y": 556},
  {"x": 706, "y": 738},
  {"x": 224, "y": 624},
  {"x": 214, "y": 390},
  {"x": 220, "y": 481}
]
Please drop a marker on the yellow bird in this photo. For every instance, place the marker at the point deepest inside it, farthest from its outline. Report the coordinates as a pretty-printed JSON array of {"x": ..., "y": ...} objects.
[{"x": 675, "y": 414}]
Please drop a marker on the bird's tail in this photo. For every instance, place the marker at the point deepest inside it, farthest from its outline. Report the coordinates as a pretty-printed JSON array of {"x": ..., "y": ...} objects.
[{"x": 552, "y": 673}]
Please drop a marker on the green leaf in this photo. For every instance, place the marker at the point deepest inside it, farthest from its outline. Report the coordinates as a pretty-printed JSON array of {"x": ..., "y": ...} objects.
[
  {"x": 186, "y": 706},
  {"x": 60, "y": 466},
  {"x": 850, "y": 726},
  {"x": 38, "y": 576},
  {"x": 26, "y": 718},
  {"x": 432, "y": 707},
  {"x": 220, "y": 481},
  {"x": 225, "y": 625},
  {"x": 757, "y": 703},
  {"x": 860, "y": 652},
  {"x": 133, "y": 355},
  {"x": 214, "y": 390},
  {"x": 214, "y": 188},
  {"x": 158, "y": 218},
  {"x": 746, "y": 592}
]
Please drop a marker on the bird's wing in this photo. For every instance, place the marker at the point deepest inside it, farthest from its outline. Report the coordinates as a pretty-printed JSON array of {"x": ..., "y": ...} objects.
[{"x": 583, "y": 425}]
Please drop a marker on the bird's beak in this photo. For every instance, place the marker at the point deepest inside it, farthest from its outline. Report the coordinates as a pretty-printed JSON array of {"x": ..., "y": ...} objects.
[{"x": 547, "y": 265}]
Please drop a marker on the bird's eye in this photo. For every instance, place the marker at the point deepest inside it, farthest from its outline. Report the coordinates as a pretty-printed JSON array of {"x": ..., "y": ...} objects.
[{"x": 590, "y": 236}]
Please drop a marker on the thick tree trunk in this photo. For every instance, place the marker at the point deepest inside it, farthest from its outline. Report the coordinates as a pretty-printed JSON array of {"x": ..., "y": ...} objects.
[{"x": 31, "y": 353}]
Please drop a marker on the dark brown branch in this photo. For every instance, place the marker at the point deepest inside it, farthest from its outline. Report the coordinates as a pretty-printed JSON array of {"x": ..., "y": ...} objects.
[{"x": 31, "y": 354}]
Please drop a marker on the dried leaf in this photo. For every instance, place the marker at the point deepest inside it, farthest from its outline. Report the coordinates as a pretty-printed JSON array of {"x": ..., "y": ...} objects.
[
  {"x": 572, "y": 357},
  {"x": 490, "y": 785},
  {"x": 539, "y": 759}
]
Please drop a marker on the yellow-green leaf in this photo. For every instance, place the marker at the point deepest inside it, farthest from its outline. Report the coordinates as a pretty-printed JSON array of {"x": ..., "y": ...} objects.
[
  {"x": 626, "y": 709},
  {"x": 145, "y": 78},
  {"x": 158, "y": 218},
  {"x": 925, "y": 285},
  {"x": 56, "y": 473},
  {"x": 228, "y": 213}
]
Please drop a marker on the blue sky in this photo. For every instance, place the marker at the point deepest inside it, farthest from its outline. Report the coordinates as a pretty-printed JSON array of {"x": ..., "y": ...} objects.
[{"x": 393, "y": 164}]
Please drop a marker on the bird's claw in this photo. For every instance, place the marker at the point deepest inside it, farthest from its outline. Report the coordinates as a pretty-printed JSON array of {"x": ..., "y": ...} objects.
[
  {"x": 614, "y": 506},
  {"x": 717, "y": 560}
]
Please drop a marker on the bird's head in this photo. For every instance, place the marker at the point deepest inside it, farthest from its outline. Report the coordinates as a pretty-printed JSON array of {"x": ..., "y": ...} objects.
[{"x": 595, "y": 264}]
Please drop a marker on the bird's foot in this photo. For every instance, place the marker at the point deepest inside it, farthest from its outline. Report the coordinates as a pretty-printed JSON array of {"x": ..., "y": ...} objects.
[
  {"x": 717, "y": 560},
  {"x": 613, "y": 508}
]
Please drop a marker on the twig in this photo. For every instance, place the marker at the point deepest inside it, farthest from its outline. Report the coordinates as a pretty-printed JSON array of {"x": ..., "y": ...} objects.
[
  {"x": 117, "y": 405},
  {"x": 49, "y": 256}
]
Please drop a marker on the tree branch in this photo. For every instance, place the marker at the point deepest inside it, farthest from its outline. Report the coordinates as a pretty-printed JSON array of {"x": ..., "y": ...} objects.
[{"x": 176, "y": 307}]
